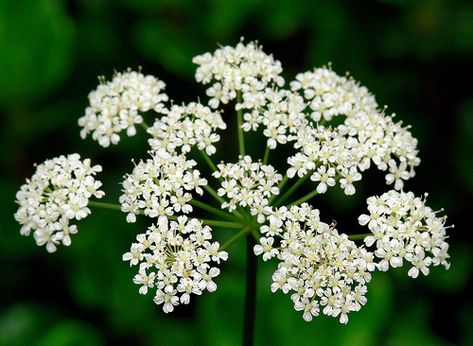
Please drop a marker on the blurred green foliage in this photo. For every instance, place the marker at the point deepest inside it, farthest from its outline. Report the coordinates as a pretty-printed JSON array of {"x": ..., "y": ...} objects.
[{"x": 414, "y": 55}]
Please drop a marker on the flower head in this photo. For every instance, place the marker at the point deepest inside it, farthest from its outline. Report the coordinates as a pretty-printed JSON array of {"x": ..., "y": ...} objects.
[
  {"x": 160, "y": 186},
  {"x": 365, "y": 136},
  {"x": 186, "y": 126},
  {"x": 280, "y": 112},
  {"x": 247, "y": 184},
  {"x": 236, "y": 69},
  {"x": 405, "y": 229},
  {"x": 177, "y": 258},
  {"x": 116, "y": 106},
  {"x": 330, "y": 95},
  {"x": 57, "y": 193},
  {"x": 322, "y": 268}
]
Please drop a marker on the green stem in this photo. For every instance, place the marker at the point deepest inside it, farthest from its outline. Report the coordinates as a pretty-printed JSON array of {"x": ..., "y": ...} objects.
[
  {"x": 213, "y": 193},
  {"x": 359, "y": 236},
  {"x": 235, "y": 238},
  {"x": 266, "y": 155},
  {"x": 255, "y": 234},
  {"x": 292, "y": 189},
  {"x": 250, "y": 293},
  {"x": 219, "y": 223},
  {"x": 280, "y": 187},
  {"x": 304, "y": 199},
  {"x": 220, "y": 199},
  {"x": 241, "y": 139},
  {"x": 209, "y": 161},
  {"x": 211, "y": 209},
  {"x": 144, "y": 125},
  {"x": 104, "y": 205}
]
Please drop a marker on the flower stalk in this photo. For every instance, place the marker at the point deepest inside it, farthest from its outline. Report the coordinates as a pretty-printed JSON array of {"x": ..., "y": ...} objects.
[
  {"x": 292, "y": 189},
  {"x": 250, "y": 292}
]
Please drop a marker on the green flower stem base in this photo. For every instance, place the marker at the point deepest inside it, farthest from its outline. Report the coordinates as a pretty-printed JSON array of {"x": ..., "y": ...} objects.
[
  {"x": 292, "y": 189},
  {"x": 241, "y": 139},
  {"x": 304, "y": 199},
  {"x": 250, "y": 292},
  {"x": 359, "y": 236},
  {"x": 209, "y": 161},
  {"x": 266, "y": 156},
  {"x": 104, "y": 205},
  {"x": 216, "y": 223},
  {"x": 233, "y": 239},
  {"x": 213, "y": 210}
]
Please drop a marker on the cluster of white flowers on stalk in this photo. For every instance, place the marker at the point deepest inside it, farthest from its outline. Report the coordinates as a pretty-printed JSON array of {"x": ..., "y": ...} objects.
[
  {"x": 244, "y": 68},
  {"x": 57, "y": 193},
  {"x": 335, "y": 130},
  {"x": 279, "y": 111},
  {"x": 248, "y": 184},
  {"x": 115, "y": 106},
  {"x": 160, "y": 186},
  {"x": 404, "y": 228},
  {"x": 187, "y": 126},
  {"x": 322, "y": 268},
  {"x": 366, "y": 134},
  {"x": 330, "y": 94},
  {"x": 178, "y": 259}
]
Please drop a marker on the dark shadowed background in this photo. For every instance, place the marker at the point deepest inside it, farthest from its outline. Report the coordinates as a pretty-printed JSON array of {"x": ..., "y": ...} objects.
[{"x": 415, "y": 56}]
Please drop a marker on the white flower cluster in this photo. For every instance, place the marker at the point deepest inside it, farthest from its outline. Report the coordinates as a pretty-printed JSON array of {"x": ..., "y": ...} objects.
[
  {"x": 336, "y": 131},
  {"x": 178, "y": 259},
  {"x": 248, "y": 184},
  {"x": 279, "y": 111},
  {"x": 186, "y": 126},
  {"x": 330, "y": 94},
  {"x": 323, "y": 269},
  {"x": 57, "y": 193},
  {"x": 115, "y": 106},
  {"x": 404, "y": 228},
  {"x": 365, "y": 136},
  {"x": 244, "y": 68},
  {"x": 160, "y": 186}
]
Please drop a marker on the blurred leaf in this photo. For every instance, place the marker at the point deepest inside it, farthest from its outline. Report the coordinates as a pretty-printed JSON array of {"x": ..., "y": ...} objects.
[
  {"x": 220, "y": 314},
  {"x": 70, "y": 333},
  {"x": 365, "y": 326},
  {"x": 461, "y": 35},
  {"x": 284, "y": 17},
  {"x": 456, "y": 278},
  {"x": 36, "y": 45},
  {"x": 23, "y": 324},
  {"x": 147, "y": 5},
  {"x": 467, "y": 322},
  {"x": 464, "y": 144},
  {"x": 173, "y": 49},
  {"x": 410, "y": 328},
  {"x": 225, "y": 18}
]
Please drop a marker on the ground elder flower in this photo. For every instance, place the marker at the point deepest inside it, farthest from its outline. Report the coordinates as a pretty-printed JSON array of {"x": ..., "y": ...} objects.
[
  {"x": 186, "y": 126},
  {"x": 405, "y": 229},
  {"x": 57, "y": 193},
  {"x": 247, "y": 184},
  {"x": 178, "y": 259},
  {"x": 116, "y": 106},
  {"x": 366, "y": 135},
  {"x": 334, "y": 130},
  {"x": 331, "y": 95},
  {"x": 236, "y": 69},
  {"x": 280, "y": 112},
  {"x": 323, "y": 270},
  {"x": 160, "y": 186}
]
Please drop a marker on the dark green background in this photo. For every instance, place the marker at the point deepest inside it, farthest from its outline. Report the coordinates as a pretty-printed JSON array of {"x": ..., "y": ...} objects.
[{"x": 415, "y": 56}]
